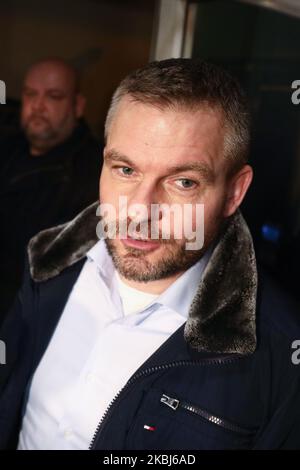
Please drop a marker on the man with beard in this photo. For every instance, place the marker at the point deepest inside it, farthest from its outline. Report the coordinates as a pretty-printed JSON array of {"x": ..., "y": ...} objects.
[
  {"x": 50, "y": 171},
  {"x": 133, "y": 341}
]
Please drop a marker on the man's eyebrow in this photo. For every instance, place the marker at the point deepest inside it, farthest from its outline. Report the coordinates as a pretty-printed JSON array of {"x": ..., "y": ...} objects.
[
  {"x": 27, "y": 87},
  {"x": 49, "y": 90},
  {"x": 205, "y": 170},
  {"x": 55, "y": 90},
  {"x": 113, "y": 155}
]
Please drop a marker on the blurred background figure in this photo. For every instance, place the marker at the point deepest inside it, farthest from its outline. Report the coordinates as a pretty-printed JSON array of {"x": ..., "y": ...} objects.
[{"x": 49, "y": 171}]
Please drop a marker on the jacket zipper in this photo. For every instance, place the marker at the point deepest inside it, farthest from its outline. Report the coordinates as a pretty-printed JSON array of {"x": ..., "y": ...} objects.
[
  {"x": 151, "y": 370},
  {"x": 174, "y": 404}
]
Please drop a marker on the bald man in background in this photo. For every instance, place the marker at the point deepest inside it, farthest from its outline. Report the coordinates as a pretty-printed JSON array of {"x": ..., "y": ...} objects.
[{"x": 49, "y": 171}]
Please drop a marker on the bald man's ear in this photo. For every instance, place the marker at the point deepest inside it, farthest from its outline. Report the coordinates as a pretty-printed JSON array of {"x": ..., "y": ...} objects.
[
  {"x": 79, "y": 105},
  {"x": 237, "y": 187}
]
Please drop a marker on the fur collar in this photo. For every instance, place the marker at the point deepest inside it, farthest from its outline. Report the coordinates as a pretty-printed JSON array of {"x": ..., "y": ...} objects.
[{"x": 222, "y": 314}]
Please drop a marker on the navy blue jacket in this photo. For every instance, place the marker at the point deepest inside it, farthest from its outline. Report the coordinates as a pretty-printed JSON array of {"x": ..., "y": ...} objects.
[
  {"x": 37, "y": 193},
  {"x": 224, "y": 380}
]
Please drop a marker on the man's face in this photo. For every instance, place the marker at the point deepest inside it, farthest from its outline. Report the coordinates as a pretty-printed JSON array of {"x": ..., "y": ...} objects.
[
  {"x": 49, "y": 106},
  {"x": 169, "y": 157}
]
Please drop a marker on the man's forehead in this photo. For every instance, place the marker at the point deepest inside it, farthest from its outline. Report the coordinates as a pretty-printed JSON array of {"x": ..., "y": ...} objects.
[
  {"x": 49, "y": 76},
  {"x": 180, "y": 109},
  {"x": 139, "y": 130},
  {"x": 177, "y": 122}
]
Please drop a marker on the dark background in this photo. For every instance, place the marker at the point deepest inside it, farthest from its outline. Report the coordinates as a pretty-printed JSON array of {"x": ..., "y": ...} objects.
[{"x": 262, "y": 48}]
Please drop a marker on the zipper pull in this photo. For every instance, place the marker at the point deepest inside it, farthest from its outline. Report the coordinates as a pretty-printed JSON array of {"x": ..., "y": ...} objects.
[{"x": 171, "y": 402}]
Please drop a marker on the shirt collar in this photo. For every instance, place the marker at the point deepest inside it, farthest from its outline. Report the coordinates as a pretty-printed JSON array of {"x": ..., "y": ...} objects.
[
  {"x": 178, "y": 296},
  {"x": 105, "y": 266}
]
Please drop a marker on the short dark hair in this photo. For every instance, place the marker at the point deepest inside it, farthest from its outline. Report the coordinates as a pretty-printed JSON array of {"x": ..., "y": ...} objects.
[{"x": 188, "y": 84}]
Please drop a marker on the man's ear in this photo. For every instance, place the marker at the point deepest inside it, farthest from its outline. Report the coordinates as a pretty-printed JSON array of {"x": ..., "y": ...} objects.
[
  {"x": 237, "y": 187},
  {"x": 79, "y": 105}
]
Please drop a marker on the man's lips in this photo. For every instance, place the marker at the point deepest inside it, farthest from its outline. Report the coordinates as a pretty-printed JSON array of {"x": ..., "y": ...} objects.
[
  {"x": 37, "y": 120},
  {"x": 140, "y": 244}
]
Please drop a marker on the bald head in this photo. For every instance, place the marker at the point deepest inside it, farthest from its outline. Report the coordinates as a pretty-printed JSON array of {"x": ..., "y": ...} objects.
[
  {"x": 57, "y": 70},
  {"x": 51, "y": 104}
]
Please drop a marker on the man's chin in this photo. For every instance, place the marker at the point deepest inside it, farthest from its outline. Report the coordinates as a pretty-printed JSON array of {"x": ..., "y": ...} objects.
[
  {"x": 37, "y": 129},
  {"x": 153, "y": 265},
  {"x": 41, "y": 141},
  {"x": 41, "y": 135}
]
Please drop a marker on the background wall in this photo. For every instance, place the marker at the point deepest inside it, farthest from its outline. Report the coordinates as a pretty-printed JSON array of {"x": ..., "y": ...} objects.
[{"x": 104, "y": 38}]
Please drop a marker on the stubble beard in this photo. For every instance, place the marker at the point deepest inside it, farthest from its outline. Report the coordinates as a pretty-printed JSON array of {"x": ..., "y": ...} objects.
[
  {"x": 135, "y": 265},
  {"x": 46, "y": 138}
]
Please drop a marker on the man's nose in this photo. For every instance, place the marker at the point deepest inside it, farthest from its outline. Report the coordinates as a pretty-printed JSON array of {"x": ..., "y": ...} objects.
[
  {"x": 145, "y": 197},
  {"x": 38, "y": 103}
]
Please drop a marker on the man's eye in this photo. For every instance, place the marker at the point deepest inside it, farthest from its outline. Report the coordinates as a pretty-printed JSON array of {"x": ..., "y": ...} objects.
[
  {"x": 56, "y": 97},
  {"x": 185, "y": 183},
  {"x": 126, "y": 170},
  {"x": 28, "y": 94}
]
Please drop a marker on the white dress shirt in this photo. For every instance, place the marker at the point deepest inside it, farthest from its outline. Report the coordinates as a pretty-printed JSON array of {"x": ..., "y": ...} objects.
[
  {"x": 133, "y": 300},
  {"x": 94, "y": 351}
]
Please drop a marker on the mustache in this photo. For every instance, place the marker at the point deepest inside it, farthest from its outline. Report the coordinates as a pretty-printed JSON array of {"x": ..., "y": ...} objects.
[
  {"x": 37, "y": 116},
  {"x": 142, "y": 230}
]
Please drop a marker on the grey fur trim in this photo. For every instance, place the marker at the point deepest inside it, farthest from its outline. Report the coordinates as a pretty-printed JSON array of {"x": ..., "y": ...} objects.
[
  {"x": 222, "y": 314},
  {"x": 54, "y": 249}
]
